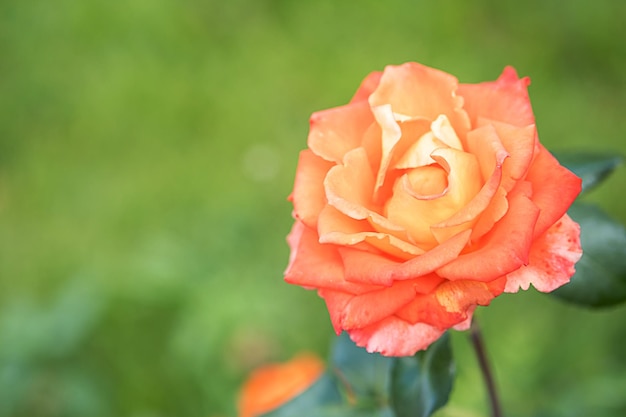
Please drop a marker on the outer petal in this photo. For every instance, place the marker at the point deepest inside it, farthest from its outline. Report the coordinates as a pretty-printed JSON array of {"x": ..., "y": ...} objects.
[
  {"x": 366, "y": 309},
  {"x": 367, "y": 87},
  {"x": 309, "y": 197},
  {"x": 417, "y": 91},
  {"x": 335, "y": 132},
  {"x": 505, "y": 248},
  {"x": 485, "y": 143},
  {"x": 460, "y": 295},
  {"x": 336, "y": 302},
  {"x": 336, "y": 228},
  {"x": 554, "y": 189},
  {"x": 451, "y": 303},
  {"x": 520, "y": 143},
  {"x": 350, "y": 186},
  {"x": 504, "y": 100},
  {"x": 552, "y": 259},
  {"x": 369, "y": 268},
  {"x": 467, "y": 323},
  {"x": 313, "y": 265},
  {"x": 395, "y": 337},
  {"x": 427, "y": 310}
]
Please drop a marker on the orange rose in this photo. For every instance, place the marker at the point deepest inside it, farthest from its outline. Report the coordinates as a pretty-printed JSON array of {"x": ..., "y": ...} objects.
[
  {"x": 423, "y": 198},
  {"x": 273, "y": 385}
]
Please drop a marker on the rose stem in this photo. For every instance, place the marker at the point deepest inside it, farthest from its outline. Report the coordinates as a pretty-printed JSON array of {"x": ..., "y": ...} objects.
[{"x": 479, "y": 347}]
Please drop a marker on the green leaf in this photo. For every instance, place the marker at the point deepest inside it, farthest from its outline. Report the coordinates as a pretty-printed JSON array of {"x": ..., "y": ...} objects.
[
  {"x": 593, "y": 168},
  {"x": 422, "y": 383},
  {"x": 600, "y": 278},
  {"x": 366, "y": 375},
  {"x": 323, "y": 394},
  {"x": 323, "y": 399}
]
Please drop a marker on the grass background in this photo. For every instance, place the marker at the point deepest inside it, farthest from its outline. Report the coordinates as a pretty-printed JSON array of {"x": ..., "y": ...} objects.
[{"x": 146, "y": 151}]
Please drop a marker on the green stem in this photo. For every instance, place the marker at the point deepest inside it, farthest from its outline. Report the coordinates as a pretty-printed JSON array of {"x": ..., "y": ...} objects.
[{"x": 479, "y": 348}]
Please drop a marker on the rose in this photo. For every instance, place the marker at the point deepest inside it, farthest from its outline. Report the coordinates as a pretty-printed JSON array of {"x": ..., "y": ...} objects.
[
  {"x": 423, "y": 198},
  {"x": 273, "y": 385}
]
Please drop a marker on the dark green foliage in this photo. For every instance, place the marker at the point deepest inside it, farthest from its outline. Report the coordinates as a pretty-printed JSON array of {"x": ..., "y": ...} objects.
[
  {"x": 323, "y": 398},
  {"x": 421, "y": 384},
  {"x": 600, "y": 278},
  {"x": 367, "y": 375},
  {"x": 377, "y": 386},
  {"x": 591, "y": 167}
]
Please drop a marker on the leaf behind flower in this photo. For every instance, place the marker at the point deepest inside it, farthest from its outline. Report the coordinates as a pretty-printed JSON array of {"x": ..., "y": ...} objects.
[
  {"x": 365, "y": 375},
  {"x": 421, "y": 384},
  {"x": 600, "y": 278},
  {"x": 592, "y": 168},
  {"x": 323, "y": 394}
]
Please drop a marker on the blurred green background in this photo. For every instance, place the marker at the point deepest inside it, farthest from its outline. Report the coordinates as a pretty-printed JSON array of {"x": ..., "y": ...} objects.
[{"x": 146, "y": 152}]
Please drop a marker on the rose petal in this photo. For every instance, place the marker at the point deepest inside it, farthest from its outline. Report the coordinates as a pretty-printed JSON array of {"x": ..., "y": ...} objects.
[
  {"x": 365, "y": 309},
  {"x": 416, "y": 212},
  {"x": 336, "y": 228},
  {"x": 313, "y": 265},
  {"x": 309, "y": 196},
  {"x": 497, "y": 208},
  {"x": 458, "y": 296},
  {"x": 418, "y": 155},
  {"x": 335, "y": 132},
  {"x": 520, "y": 144},
  {"x": 395, "y": 337},
  {"x": 348, "y": 189},
  {"x": 485, "y": 144},
  {"x": 391, "y": 134},
  {"x": 443, "y": 130},
  {"x": 418, "y": 151},
  {"x": 336, "y": 302},
  {"x": 463, "y": 174},
  {"x": 400, "y": 209},
  {"x": 473, "y": 211},
  {"x": 554, "y": 189},
  {"x": 505, "y": 99},
  {"x": 369, "y": 268},
  {"x": 372, "y": 146},
  {"x": 467, "y": 323},
  {"x": 385, "y": 150},
  {"x": 427, "y": 310},
  {"x": 496, "y": 287},
  {"x": 350, "y": 186},
  {"x": 451, "y": 303},
  {"x": 504, "y": 249},
  {"x": 427, "y": 182},
  {"x": 414, "y": 90},
  {"x": 367, "y": 87},
  {"x": 552, "y": 259}
]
